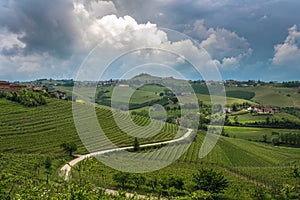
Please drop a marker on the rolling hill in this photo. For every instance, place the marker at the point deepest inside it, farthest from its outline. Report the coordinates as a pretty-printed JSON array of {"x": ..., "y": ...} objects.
[{"x": 29, "y": 135}]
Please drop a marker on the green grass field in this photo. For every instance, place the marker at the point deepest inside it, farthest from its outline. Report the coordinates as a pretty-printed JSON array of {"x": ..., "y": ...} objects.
[
  {"x": 264, "y": 95},
  {"x": 139, "y": 96},
  {"x": 254, "y": 134},
  {"x": 269, "y": 95},
  {"x": 251, "y": 118},
  {"x": 148, "y": 93},
  {"x": 240, "y": 94},
  {"x": 229, "y": 100}
]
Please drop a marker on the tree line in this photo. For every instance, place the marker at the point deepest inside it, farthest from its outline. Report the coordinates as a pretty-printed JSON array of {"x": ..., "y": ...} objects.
[
  {"x": 290, "y": 139},
  {"x": 26, "y": 97},
  {"x": 205, "y": 183}
]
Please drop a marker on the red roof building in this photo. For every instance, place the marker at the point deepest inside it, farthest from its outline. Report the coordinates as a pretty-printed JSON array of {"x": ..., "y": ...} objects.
[{"x": 10, "y": 87}]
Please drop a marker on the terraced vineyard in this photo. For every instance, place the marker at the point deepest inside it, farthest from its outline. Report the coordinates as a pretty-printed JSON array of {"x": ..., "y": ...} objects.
[
  {"x": 257, "y": 161},
  {"x": 230, "y": 152},
  {"x": 43, "y": 129},
  {"x": 29, "y": 135}
]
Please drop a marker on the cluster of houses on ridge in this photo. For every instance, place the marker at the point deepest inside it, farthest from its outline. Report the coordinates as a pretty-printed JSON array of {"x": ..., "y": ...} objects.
[
  {"x": 14, "y": 87},
  {"x": 257, "y": 109},
  {"x": 10, "y": 87},
  {"x": 263, "y": 109}
]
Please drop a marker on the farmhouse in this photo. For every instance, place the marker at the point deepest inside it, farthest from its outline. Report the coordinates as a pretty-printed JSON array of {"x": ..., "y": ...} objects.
[
  {"x": 10, "y": 87},
  {"x": 39, "y": 89},
  {"x": 58, "y": 94},
  {"x": 107, "y": 83},
  {"x": 263, "y": 109},
  {"x": 227, "y": 110}
]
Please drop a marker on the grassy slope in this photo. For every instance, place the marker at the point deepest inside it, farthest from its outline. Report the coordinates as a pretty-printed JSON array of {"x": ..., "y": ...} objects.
[
  {"x": 150, "y": 92},
  {"x": 268, "y": 95},
  {"x": 138, "y": 97},
  {"x": 249, "y": 118},
  {"x": 229, "y": 100},
  {"x": 265, "y": 95},
  {"x": 36, "y": 132}
]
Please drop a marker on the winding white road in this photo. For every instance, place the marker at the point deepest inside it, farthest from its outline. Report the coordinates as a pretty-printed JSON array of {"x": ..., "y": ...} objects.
[{"x": 66, "y": 169}]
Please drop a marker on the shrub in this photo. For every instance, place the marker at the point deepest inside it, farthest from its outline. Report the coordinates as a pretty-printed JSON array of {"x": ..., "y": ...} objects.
[{"x": 210, "y": 181}]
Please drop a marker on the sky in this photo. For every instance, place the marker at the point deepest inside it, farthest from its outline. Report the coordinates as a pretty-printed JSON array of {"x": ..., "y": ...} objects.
[{"x": 245, "y": 39}]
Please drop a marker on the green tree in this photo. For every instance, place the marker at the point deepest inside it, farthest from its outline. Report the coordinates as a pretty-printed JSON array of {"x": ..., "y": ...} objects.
[
  {"x": 174, "y": 99},
  {"x": 201, "y": 195},
  {"x": 175, "y": 181},
  {"x": 235, "y": 107},
  {"x": 295, "y": 172},
  {"x": 69, "y": 147},
  {"x": 236, "y": 119},
  {"x": 265, "y": 138},
  {"x": 153, "y": 182},
  {"x": 268, "y": 120},
  {"x": 210, "y": 181},
  {"x": 138, "y": 180},
  {"x": 122, "y": 178},
  {"x": 48, "y": 164},
  {"x": 258, "y": 193},
  {"x": 136, "y": 145},
  {"x": 275, "y": 138}
]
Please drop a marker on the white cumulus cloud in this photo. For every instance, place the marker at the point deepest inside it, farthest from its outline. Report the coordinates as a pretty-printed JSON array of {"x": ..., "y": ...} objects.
[
  {"x": 226, "y": 47},
  {"x": 88, "y": 24},
  {"x": 9, "y": 40},
  {"x": 288, "y": 53}
]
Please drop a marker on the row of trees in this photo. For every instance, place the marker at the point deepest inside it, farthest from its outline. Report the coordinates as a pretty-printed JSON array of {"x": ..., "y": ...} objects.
[
  {"x": 18, "y": 187},
  {"x": 268, "y": 123},
  {"x": 274, "y": 123},
  {"x": 291, "y": 139},
  {"x": 26, "y": 97},
  {"x": 206, "y": 182},
  {"x": 290, "y": 84},
  {"x": 239, "y": 106}
]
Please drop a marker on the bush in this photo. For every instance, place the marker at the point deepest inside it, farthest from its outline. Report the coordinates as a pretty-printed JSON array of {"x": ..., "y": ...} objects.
[
  {"x": 122, "y": 178},
  {"x": 69, "y": 147},
  {"x": 27, "y": 98},
  {"x": 240, "y": 94},
  {"x": 209, "y": 180},
  {"x": 3, "y": 94},
  {"x": 202, "y": 195}
]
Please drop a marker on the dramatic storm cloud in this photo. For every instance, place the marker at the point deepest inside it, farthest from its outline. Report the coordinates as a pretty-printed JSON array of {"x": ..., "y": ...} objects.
[{"x": 245, "y": 39}]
